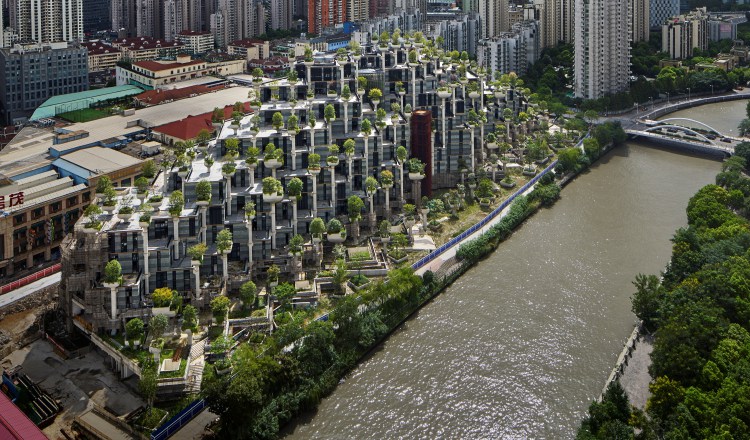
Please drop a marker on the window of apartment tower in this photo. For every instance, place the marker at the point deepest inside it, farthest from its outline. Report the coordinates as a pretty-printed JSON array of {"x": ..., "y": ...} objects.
[
  {"x": 38, "y": 212},
  {"x": 86, "y": 197},
  {"x": 18, "y": 219},
  {"x": 124, "y": 242},
  {"x": 72, "y": 201}
]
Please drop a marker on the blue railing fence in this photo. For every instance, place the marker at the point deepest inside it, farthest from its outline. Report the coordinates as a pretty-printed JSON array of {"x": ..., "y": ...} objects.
[
  {"x": 179, "y": 420},
  {"x": 455, "y": 240}
]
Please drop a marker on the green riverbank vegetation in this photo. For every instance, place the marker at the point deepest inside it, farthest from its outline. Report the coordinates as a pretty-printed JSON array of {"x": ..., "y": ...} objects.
[{"x": 699, "y": 312}]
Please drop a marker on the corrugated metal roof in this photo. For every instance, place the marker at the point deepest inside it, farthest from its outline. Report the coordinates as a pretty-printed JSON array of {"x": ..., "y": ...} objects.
[
  {"x": 99, "y": 160},
  {"x": 76, "y": 101},
  {"x": 15, "y": 425},
  {"x": 46, "y": 198}
]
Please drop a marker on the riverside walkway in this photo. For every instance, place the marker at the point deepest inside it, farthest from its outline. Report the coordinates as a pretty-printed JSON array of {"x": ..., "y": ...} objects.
[{"x": 445, "y": 253}]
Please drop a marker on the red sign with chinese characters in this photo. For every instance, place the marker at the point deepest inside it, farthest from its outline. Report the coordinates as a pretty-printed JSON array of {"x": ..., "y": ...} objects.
[{"x": 14, "y": 199}]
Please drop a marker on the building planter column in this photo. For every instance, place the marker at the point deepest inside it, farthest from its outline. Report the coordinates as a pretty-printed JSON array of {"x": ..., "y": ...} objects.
[
  {"x": 228, "y": 197},
  {"x": 224, "y": 265},
  {"x": 314, "y": 174},
  {"x": 249, "y": 226},
  {"x": 176, "y": 226},
  {"x": 112, "y": 298},
  {"x": 144, "y": 235},
  {"x": 196, "y": 265},
  {"x": 273, "y": 199}
]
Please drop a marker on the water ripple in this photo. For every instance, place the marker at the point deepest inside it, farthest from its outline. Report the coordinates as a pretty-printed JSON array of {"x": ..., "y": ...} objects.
[{"x": 519, "y": 346}]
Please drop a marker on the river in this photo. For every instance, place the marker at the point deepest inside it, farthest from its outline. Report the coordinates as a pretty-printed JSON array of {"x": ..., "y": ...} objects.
[
  {"x": 520, "y": 345},
  {"x": 725, "y": 116}
]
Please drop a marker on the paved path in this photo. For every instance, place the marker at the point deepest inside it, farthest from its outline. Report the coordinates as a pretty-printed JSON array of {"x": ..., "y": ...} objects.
[
  {"x": 635, "y": 379},
  {"x": 28, "y": 289},
  {"x": 195, "y": 428},
  {"x": 449, "y": 253}
]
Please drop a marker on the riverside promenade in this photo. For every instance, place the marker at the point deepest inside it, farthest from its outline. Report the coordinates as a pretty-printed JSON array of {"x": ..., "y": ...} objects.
[{"x": 446, "y": 253}]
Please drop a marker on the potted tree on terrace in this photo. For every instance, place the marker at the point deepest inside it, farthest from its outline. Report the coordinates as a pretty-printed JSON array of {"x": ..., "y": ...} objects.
[
  {"x": 277, "y": 120},
  {"x": 203, "y": 193},
  {"x": 176, "y": 205},
  {"x": 273, "y": 273},
  {"x": 112, "y": 280},
  {"x": 196, "y": 253},
  {"x": 329, "y": 113},
  {"x": 110, "y": 199},
  {"x": 386, "y": 182},
  {"x": 273, "y": 157},
  {"x": 126, "y": 211},
  {"x": 354, "y": 207},
  {"x": 333, "y": 155},
  {"x": 273, "y": 193},
  {"x": 401, "y": 155},
  {"x": 251, "y": 160},
  {"x": 224, "y": 247},
  {"x": 102, "y": 185},
  {"x": 375, "y": 96},
  {"x": 141, "y": 187},
  {"x": 317, "y": 229},
  {"x": 336, "y": 231},
  {"x": 416, "y": 169}
]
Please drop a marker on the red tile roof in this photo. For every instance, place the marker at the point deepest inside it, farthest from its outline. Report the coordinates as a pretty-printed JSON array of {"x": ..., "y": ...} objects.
[
  {"x": 98, "y": 48},
  {"x": 189, "y": 32},
  {"x": 145, "y": 43},
  {"x": 189, "y": 127},
  {"x": 156, "y": 66},
  {"x": 247, "y": 43},
  {"x": 14, "y": 424},
  {"x": 155, "y": 97}
]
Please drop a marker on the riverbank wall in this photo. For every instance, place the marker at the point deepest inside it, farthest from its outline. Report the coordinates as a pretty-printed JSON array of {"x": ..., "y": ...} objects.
[
  {"x": 671, "y": 108},
  {"x": 622, "y": 360}
]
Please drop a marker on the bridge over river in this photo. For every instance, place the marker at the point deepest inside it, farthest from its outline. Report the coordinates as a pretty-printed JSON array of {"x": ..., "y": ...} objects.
[{"x": 675, "y": 133}]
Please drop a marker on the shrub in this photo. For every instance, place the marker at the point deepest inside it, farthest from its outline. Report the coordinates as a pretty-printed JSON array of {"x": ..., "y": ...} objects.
[
  {"x": 203, "y": 191},
  {"x": 219, "y": 307},
  {"x": 272, "y": 186},
  {"x": 113, "y": 272},
  {"x": 334, "y": 226},
  {"x": 317, "y": 227},
  {"x": 134, "y": 329},
  {"x": 162, "y": 297},
  {"x": 197, "y": 251},
  {"x": 176, "y": 203},
  {"x": 141, "y": 184},
  {"x": 224, "y": 240}
]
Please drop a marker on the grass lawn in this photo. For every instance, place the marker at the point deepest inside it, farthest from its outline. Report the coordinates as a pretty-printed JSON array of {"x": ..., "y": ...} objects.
[{"x": 84, "y": 115}]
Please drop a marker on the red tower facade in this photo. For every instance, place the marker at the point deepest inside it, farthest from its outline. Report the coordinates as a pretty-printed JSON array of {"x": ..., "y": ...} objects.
[
  {"x": 324, "y": 13},
  {"x": 421, "y": 145}
]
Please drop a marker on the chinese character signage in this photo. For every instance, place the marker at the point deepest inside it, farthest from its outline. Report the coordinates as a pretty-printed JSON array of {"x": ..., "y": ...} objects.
[{"x": 14, "y": 199}]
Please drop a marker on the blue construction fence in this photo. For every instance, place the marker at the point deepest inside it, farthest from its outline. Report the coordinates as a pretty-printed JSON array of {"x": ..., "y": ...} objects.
[
  {"x": 455, "y": 240},
  {"x": 178, "y": 421}
]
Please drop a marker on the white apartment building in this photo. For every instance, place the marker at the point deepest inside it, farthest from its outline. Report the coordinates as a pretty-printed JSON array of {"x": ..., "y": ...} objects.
[
  {"x": 602, "y": 47},
  {"x": 48, "y": 21},
  {"x": 640, "y": 20},
  {"x": 196, "y": 41},
  {"x": 681, "y": 34},
  {"x": 495, "y": 14},
  {"x": 511, "y": 51}
]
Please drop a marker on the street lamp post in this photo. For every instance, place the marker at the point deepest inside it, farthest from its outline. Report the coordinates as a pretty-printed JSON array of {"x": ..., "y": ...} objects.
[
  {"x": 712, "y": 90},
  {"x": 688, "y": 93},
  {"x": 667, "y": 97},
  {"x": 651, "y": 98}
]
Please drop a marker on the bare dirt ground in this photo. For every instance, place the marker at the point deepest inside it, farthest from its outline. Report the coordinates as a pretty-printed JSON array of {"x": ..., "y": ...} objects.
[{"x": 77, "y": 384}]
